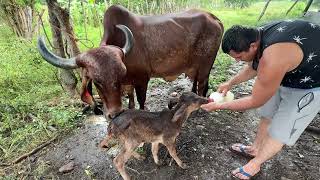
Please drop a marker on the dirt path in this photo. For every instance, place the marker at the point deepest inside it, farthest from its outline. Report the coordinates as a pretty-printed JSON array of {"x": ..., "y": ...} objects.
[{"x": 202, "y": 144}]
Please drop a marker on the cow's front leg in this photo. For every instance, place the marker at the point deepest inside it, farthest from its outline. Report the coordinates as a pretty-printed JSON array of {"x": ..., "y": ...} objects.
[
  {"x": 141, "y": 91},
  {"x": 131, "y": 98}
]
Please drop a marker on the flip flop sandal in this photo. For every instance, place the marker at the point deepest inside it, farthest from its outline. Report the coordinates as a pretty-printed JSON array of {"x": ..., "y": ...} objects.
[
  {"x": 241, "y": 171},
  {"x": 242, "y": 151}
]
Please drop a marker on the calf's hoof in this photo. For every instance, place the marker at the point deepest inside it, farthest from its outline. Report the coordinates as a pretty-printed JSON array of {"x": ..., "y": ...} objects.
[
  {"x": 184, "y": 166},
  {"x": 160, "y": 163},
  {"x": 141, "y": 157}
]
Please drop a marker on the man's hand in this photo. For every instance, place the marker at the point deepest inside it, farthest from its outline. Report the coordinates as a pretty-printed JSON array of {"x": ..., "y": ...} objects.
[
  {"x": 224, "y": 88},
  {"x": 212, "y": 106}
]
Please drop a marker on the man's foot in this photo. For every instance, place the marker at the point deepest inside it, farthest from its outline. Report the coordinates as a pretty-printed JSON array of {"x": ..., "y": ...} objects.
[
  {"x": 247, "y": 171},
  {"x": 243, "y": 150}
]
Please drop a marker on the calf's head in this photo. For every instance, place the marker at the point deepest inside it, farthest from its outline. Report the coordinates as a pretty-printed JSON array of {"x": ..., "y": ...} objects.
[
  {"x": 185, "y": 105},
  {"x": 102, "y": 66}
]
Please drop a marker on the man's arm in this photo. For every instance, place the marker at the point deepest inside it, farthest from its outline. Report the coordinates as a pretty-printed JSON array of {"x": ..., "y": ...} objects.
[
  {"x": 245, "y": 74},
  {"x": 272, "y": 67},
  {"x": 276, "y": 60}
]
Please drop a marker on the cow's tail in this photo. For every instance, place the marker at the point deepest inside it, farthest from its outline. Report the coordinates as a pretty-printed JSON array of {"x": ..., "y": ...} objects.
[{"x": 218, "y": 21}]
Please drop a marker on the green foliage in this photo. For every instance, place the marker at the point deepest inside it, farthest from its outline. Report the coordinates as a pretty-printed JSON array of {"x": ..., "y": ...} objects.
[
  {"x": 219, "y": 73},
  {"x": 28, "y": 89},
  {"x": 238, "y": 3},
  {"x": 316, "y": 3}
]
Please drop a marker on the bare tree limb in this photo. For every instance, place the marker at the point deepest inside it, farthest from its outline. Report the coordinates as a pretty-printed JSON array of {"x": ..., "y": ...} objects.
[
  {"x": 292, "y": 6},
  {"x": 264, "y": 10},
  {"x": 307, "y": 7},
  {"x": 35, "y": 150}
]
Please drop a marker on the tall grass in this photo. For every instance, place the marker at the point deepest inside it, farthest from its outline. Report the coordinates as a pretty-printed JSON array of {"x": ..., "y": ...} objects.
[{"x": 32, "y": 104}]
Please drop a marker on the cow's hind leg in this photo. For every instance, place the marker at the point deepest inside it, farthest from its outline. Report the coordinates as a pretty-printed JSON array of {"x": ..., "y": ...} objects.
[
  {"x": 195, "y": 85},
  {"x": 203, "y": 85},
  {"x": 203, "y": 74},
  {"x": 141, "y": 91}
]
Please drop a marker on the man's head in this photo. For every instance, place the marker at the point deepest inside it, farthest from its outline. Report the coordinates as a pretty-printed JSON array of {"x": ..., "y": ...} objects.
[{"x": 241, "y": 43}]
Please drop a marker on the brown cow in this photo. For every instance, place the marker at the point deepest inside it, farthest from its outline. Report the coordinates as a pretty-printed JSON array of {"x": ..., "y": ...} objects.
[{"x": 153, "y": 46}]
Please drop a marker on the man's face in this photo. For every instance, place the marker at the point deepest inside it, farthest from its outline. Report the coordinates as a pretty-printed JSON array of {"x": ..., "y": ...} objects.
[{"x": 246, "y": 56}]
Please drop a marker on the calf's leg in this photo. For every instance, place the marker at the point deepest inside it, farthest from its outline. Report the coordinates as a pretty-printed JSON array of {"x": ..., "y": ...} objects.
[
  {"x": 155, "y": 149},
  {"x": 171, "y": 146},
  {"x": 121, "y": 159}
]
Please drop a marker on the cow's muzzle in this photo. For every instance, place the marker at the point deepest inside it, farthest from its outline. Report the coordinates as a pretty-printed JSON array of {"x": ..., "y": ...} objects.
[{"x": 114, "y": 115}]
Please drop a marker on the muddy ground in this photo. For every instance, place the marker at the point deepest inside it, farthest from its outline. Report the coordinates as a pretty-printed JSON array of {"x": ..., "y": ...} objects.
[{"x": 202, "y": 144}]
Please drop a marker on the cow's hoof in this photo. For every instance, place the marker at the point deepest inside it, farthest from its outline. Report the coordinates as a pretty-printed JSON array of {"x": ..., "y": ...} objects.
[{"x": 97, "y": 110}]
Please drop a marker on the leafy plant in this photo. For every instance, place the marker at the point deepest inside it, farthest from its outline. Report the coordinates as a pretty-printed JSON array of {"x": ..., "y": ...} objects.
[{"x": 238, "y": 3}]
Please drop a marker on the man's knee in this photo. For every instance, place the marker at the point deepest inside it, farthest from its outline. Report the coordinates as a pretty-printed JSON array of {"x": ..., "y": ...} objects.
[{"x": 265, "y": 121}]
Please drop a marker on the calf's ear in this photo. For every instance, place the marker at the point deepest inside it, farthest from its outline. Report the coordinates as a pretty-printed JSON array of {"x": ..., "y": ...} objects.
[
  {"x": 173, "y": 102},
  {"x": 180, "y": 113}
]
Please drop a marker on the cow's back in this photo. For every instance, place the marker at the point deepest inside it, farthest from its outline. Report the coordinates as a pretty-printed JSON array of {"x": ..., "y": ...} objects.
[
  {"x": 165, "y": 45},
  {"x": 174, "y": 41}
]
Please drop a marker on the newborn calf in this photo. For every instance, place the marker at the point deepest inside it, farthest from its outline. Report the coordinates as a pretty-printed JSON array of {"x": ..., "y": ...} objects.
[{"x": 133, "y": 127}]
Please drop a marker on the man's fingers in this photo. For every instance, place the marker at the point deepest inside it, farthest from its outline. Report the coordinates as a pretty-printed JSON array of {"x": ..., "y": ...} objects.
[
  {"x": 224, "y": 92},
  {"x": 205, "y": 107},
  {"x": 219, "y": 89}
]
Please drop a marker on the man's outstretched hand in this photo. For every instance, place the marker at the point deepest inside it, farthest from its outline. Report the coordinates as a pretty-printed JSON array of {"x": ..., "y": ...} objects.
[{"x": 211, "y": 106}]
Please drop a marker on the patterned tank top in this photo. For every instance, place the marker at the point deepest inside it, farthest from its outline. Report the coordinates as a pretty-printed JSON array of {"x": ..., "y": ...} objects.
[{"x": 307, "y": 36}]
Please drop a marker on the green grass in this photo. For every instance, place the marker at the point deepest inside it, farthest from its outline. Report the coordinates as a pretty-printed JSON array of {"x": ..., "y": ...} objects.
[
  {"x": 249, "y": 16},
  {"x": 28, "y": 89},
  {"x": 33, "y": 107}
]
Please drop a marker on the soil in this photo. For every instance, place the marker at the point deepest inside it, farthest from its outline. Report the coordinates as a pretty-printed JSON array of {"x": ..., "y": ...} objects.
[{"x": 202, "y": 144}]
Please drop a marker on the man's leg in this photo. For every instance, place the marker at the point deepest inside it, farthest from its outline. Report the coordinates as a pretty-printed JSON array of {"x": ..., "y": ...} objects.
[
  {"x": 266, "y": 113},
  {"x": 261, "y": 134},
  {"x": 296, "y": 111},
  {"x": 269, "y": 148}
]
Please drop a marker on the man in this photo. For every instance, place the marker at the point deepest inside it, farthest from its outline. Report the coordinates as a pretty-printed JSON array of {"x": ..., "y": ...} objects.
[{"x": 285, "y": 58}]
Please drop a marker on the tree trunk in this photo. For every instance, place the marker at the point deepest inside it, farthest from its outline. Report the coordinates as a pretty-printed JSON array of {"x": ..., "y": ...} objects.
[
  {"x": 60, "y": 25},
  {"x": 18, "y": 18}
]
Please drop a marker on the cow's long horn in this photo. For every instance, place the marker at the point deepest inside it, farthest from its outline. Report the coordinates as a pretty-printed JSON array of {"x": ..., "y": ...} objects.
[
  {"x": 53, "y": 59},
  {"x": 129, "y": 38}
]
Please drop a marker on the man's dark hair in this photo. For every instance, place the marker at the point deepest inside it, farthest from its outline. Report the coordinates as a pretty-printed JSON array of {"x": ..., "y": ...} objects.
[{"x": 238, "y": 38}]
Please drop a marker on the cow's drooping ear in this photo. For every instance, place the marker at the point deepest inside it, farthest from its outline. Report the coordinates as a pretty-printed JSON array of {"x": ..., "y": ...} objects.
[{"x": 180, "y": 113}]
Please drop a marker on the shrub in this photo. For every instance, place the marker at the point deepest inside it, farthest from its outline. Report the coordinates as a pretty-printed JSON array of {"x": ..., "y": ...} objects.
[{"x": 238, "y": 3}]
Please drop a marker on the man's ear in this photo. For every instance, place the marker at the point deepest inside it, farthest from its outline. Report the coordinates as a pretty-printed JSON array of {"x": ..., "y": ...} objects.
[{"x": 254, "y": 46}]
